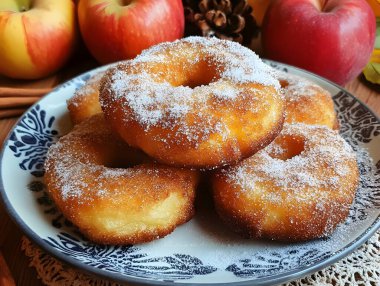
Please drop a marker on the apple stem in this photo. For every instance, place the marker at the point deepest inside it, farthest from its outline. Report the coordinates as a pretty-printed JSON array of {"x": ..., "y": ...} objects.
[
  {"x": 324, "y": 3},
  {"x": 24, "y": 5},
  {"x": 126, "y": 2}
]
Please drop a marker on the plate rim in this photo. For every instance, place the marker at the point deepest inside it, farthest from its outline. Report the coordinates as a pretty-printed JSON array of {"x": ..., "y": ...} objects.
[{"x": 117, "y": 277}]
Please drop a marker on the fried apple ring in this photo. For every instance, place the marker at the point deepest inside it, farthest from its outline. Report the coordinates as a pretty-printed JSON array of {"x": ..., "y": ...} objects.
[
  {"x": 300, "y": 187},
  {"x": 115, "y": 205},
  {"x": 307, "y": 102},
  {"x": 85, "y": 101},
  {"x": 197, "y": 102}
]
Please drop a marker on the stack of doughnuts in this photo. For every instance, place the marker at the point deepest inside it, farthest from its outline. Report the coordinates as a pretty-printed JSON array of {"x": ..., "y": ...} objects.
[{"x": 146, "y": 129}]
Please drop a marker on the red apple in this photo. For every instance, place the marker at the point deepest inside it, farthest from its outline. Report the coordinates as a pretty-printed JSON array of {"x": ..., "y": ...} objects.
[
  {"x": 333, "y": 38},
  {"x": 115, "y": 30},
  {"x": 36, "y": 36}
]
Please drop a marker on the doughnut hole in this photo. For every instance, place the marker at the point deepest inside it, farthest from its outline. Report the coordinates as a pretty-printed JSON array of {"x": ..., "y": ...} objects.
[
  {"x": 183, "y": 74},
  {"x": 287, "y": 147},
  {"x": 200, "y": 74},
  {"x": 126, "y": 158}
]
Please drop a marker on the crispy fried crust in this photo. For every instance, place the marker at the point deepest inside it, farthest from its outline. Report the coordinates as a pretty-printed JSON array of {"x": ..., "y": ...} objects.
[
  {"x": 116, "y": 205},
  {"x": 298, "y": 188},
  {"x": 85, "y": 101},
  {"x": 307, "y": 102},
  {"x": 185, "y": 111}
]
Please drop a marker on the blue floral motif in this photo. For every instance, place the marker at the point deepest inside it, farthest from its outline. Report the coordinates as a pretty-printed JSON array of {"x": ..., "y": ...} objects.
[
  {"x": 31, "y": 139},
  {"x": 129, "y": 260},
  {"x": 275, "y": 262}
]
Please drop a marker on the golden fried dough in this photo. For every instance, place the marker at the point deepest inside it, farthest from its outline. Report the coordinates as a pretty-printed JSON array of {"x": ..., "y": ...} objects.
[
  {"x": 307, "y": 102},
  {"x": 196, "y": 102},
  {"x": 112, "y": 205},
  {"x": 300, "y": 187},
  {"x": 85, "y": 101}
]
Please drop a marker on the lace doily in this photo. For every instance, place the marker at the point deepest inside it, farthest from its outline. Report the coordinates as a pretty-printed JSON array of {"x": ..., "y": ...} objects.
[{"x": 359, "y": 268}]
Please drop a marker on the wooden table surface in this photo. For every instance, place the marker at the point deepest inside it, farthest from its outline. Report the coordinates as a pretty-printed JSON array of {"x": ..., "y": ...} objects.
[{"x": 10, "y": 234}]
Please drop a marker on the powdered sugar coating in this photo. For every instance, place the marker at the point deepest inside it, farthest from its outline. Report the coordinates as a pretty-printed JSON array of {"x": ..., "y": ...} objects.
[
  {"x": 295, "y": 86},
  {"x": 236, "y": 62},
  {"x": 77, "y": 168},
  {"x": 191, "y": 102},
  {"x": 306, "y": 102},
  {"x": 299, "y": 187},
  {"x": 76, "y": 171},
  {"x": 325, "y": 152},
  {"x": 154, "y": 101},
  {"x": 111, "y": 204},
  {"x": 90, "y": 87},
  {"x": 85, "y": 101},
  {"x": 144, "y": 97}
]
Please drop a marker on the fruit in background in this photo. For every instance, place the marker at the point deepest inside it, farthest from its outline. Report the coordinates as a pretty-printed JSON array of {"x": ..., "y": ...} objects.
[
  {"x": 259, "y": 9},
  {"x": 333, "y": 38},
  {"x": 115, "y": 30},
  {"x": 37, "y": 37}
]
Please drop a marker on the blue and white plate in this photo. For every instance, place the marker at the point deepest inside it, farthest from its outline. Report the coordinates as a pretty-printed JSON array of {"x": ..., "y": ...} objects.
[{"x": 202, "y": 251}]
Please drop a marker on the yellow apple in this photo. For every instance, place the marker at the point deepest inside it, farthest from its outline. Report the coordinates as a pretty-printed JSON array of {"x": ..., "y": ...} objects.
[{"x": 36, "y": 36}]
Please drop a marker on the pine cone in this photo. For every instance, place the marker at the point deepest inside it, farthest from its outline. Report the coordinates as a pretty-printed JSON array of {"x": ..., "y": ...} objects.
[{"x": 224, "y": 19}]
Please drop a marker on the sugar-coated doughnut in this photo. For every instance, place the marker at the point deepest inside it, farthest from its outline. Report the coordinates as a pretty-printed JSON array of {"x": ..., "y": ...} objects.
[
  {"x": 307, "y": 102},
  {"x": 113, "y": 205},
  {"x": 197, "y": 102},
  {"x": 85, "y": 101},
  {"x": 300, "y": 187}
]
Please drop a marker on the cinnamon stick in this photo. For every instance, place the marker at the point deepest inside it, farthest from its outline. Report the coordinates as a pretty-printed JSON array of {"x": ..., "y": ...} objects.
[
  {"x": 23, "y": 92},
  {"x": 6, "y": 278},
  {"x": 5, "y": 113},
  {"x": 6, "y": 102}
]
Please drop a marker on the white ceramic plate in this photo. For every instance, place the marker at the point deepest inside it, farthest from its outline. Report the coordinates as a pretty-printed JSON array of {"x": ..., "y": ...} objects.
[{"x": 202, "y": 251}]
